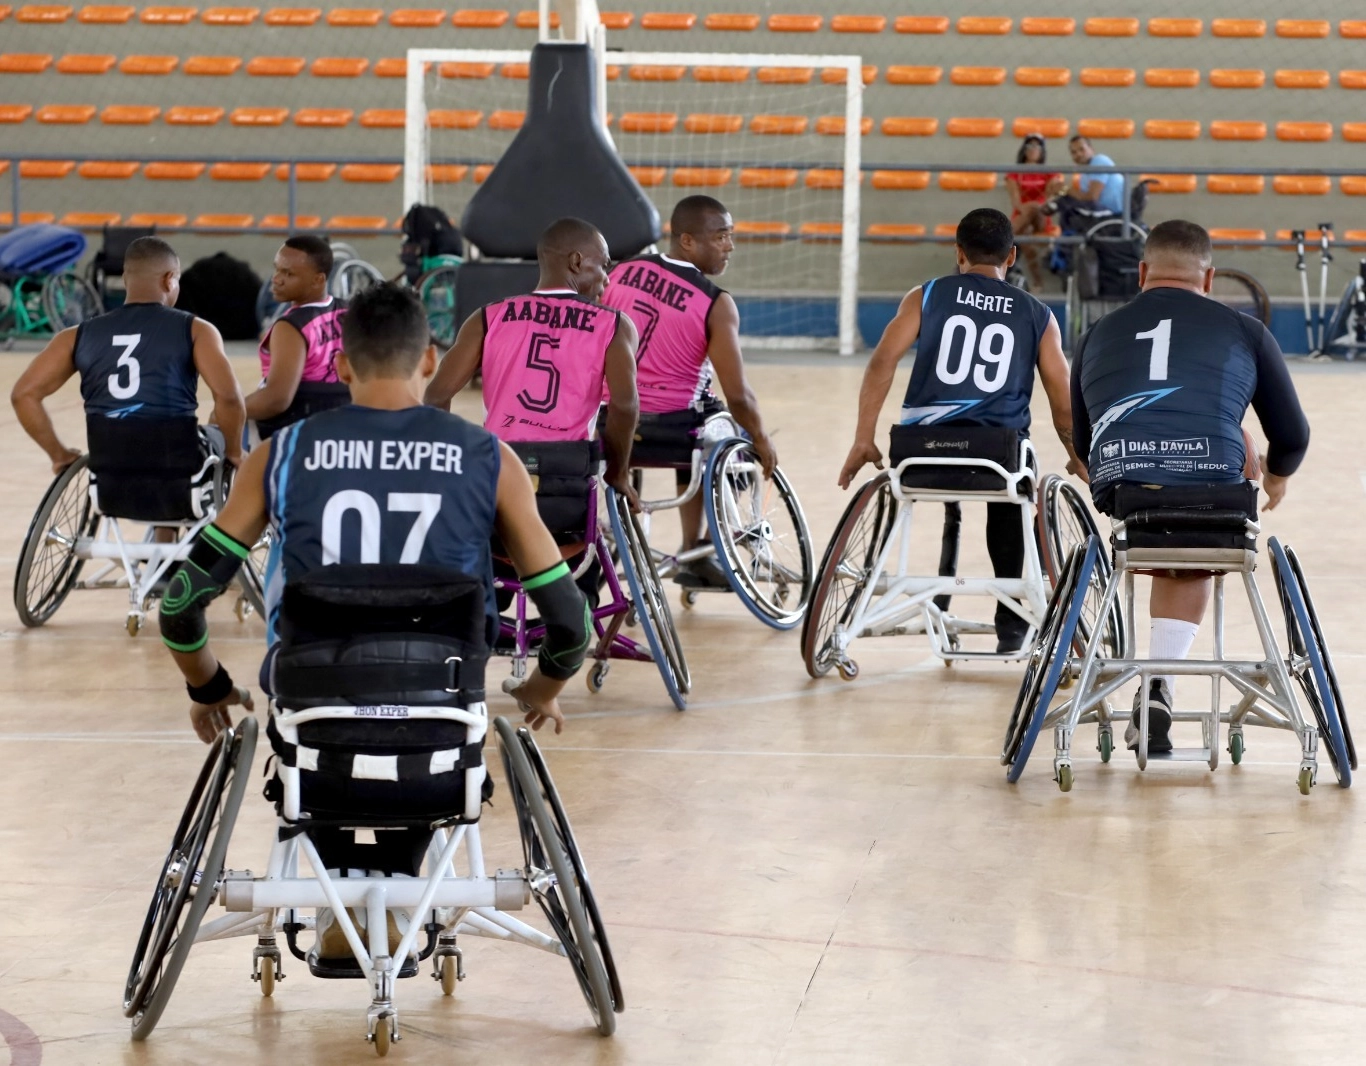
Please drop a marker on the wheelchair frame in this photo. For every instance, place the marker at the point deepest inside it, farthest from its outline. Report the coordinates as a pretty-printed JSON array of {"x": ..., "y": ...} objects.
[{"x": 476, "y": 903}]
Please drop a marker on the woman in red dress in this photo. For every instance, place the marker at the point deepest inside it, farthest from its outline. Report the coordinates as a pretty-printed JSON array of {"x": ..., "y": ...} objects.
[{"x": 1028, "y": 192}]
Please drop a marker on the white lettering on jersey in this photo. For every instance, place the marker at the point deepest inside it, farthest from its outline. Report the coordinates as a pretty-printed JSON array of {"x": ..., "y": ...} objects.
[
  {"x": 999, "y": 304},
  {"x": 435, "y": 455}
]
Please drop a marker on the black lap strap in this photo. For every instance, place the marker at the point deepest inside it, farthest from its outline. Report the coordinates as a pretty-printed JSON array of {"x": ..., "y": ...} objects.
[
  {"x": 332, "y": 680},
  {"x": 1171, "y": 519}
]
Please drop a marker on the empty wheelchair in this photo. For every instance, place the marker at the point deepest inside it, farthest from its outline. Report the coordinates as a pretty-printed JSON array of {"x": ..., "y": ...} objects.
[
  {"x": 389, "y": 780},
  {"x": 161, "y": 475},
  {"x": 756, "y": 527},
  {"x": 567, "y": 475},
  {"x": 1210, "y": 529}
]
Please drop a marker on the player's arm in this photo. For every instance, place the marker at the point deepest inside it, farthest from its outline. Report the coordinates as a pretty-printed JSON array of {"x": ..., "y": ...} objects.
[
  {"x": 288, "y": 352},
  {"x": 550, "y": 584},
  {"x": 1057, "y": 386},
  {"x": 896, "y": 341},
  {"x": 49, "y": 371},
  {"x": 215, "y": 556},
  {"x": 723, "y": 349},
  {"x": 623, "y": 405},
  {"x": 229, "y": 409},
  {"x": 1089, "y": 188},
  {"x": 1282, "y": 418},
  {"x": 459, "y": 365}
]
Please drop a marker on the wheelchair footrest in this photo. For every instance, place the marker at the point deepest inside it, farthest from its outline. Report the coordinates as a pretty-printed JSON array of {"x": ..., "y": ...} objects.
[{"x": 348, "y": 969}]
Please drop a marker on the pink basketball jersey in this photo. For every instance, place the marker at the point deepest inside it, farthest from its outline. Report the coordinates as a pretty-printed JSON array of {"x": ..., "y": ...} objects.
[
  {"x": 544, "y": 365},
  {"x": 669, "y": 301},
  {"x": 320, "y": 325}
]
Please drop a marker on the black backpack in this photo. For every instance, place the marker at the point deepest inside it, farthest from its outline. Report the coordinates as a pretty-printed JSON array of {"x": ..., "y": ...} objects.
[
  {"x": 427, "y": 231},
  {"x": 222, "y": 290}
]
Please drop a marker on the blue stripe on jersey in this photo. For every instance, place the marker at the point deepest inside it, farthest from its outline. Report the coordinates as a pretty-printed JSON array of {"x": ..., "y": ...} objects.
[{"x": 925, "y": 293}]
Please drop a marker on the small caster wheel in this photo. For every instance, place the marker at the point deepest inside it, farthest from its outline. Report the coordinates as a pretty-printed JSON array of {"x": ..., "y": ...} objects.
[
  {"x": 848, "y": 669},
  {"x": 1065, "y": 777},
  {"x": 382, "y": 1038},
  {"x": 242, "y": 609},
  {"x": 631, "y": 618},
  {"x": 1305, "y": 780},
  {"x": 267, "y": 977},
  {"x": 1235, "y": 747},
  {"x": 1105, "y": 744},
  {"x": 1066, "y": 681},
  {"x": 596, "y": 676},
  {"x": 448, "y": 975},
  {"x": 133, "y": 624},
  {"x": 689, "y": 598}
]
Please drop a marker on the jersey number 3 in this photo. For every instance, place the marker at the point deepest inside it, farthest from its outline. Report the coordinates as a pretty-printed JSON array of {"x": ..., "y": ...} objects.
[
  {"x": 996, "y": 346},
  {"x": 118, "y": 388}
]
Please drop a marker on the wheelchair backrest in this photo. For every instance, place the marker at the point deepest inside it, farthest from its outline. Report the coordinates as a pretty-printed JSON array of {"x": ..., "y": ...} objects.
[
  {"x": 995, "y": 444},
  {"x": 562, "y": 473},
  {"x": 1213, "y": 516},
  {"x": 144, "y": 468}
]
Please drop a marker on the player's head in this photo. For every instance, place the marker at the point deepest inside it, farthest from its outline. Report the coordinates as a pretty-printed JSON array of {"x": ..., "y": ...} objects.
[
  {"x": 701, "y": 233},
  {"x": 573, "y": 254},
  {"x": 1177, "y": 253},
  {"x": 1033, "y": 150},
  {"x": 985, "y": 239},
  {"x": 302, "y": 266},
  {"x": 385, "y": 336},
  {"x": 1081, "y": 150},
  {"x": 151, "y": 272}
]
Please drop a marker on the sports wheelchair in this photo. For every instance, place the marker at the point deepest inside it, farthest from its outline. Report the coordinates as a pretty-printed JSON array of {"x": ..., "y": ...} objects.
[
  {"x": 567, "y": 476},
  {"x": 866, "y": 585},
  {"x": 756, "y": 526},
  {"x": 163, "y": 473},
  {"x": 1205, "y": 528},
  {"x": 379, "y": 748}
]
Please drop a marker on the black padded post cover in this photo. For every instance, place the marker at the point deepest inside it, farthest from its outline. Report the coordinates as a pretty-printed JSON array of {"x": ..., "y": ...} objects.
[
  {"x": 560, "y": 163},
  {"x": 485, "y": 281}
]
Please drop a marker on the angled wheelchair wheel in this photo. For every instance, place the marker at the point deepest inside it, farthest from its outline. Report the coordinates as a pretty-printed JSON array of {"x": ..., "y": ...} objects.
[
  {"x": 555, "y": 870},
  {"x": 1308, "y": 663},
  {"x": 189, "y": 877},
  {"x": 760, "y": 532},
  {"x": 351, "y": 277},
  {"x": 1065, "y": 521},
  {"x": 68, "y": 300},
  {"x": 48, "y": 566},
  {"x": 436, "y": 290},
  {"x": 858, "y": 540},
  {"x": 648, "y": 600},
  {"x": 1049, "y": 658},
  {"x": 1328, "y": 666}
]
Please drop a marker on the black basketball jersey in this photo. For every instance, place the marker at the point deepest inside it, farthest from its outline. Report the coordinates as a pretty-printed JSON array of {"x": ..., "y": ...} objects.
[
  {"x": 974, "y": 363},
  {"x": 138, "y": 362},
  {"x": 361, "y": 485},
  {"x": 1166, "y": 380}
]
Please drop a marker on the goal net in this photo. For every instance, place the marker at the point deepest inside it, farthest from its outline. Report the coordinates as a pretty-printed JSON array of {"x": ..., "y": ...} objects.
[{"x": 773, "y": 137}]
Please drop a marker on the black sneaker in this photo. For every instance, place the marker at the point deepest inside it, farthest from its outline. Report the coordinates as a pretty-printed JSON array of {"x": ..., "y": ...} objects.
[
  {"x": 1159, "y": 720},
  {"x": 703, "y": 573},
  {"x": 1011, "y": 631}
]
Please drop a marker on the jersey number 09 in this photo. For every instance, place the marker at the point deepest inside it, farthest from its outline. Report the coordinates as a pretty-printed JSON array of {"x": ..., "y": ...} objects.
[{"x": 995, "y": 347}]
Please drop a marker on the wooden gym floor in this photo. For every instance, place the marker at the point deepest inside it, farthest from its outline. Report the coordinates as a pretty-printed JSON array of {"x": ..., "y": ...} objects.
[{"x": 791, "y": 871}]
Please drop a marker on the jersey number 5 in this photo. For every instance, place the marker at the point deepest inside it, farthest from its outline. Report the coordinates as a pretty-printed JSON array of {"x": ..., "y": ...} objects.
[
  {"x": 1161, "y": 336},
  {"x": 117, "y": 388},
  {"x": 425, "y": 504},
  {"x": 996, "y": 346},
  {"x": 538, "y": 358}
]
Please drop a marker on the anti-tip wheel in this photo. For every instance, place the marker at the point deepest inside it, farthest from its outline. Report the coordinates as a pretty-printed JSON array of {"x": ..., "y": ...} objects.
[
  {"x": 382, "y": 1037},
  {"x": 848, "y": 669},
  {"x": 1065, "y": 777},
  {"x": 1105, "y": 744},
  {"x": 597, "y": 676},
  {"x": 133, "y": 625},
  {"x": 268, "y": 979},
  {"x": 1235, "y": 747},
  {"x": 449, "y": 975},
  {"x": 1305, "y": 780},
  {"x": 688, "y": 599}
]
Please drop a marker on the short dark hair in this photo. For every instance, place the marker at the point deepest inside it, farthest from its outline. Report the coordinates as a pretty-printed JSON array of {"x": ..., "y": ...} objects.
[
  {"x": 1179, "y": 238},
  {"x": 1079, "y": 137},
  {"x": 1037, "y": 138},
  {"x": 149, "y": 252},
  {"x": 385, "y": 332},
  {"x": 566, "y": 235},
  {"x": 986, "y": 236},
  {"x": 691, "y": 213},
  {"x": 317, "y": 249}
]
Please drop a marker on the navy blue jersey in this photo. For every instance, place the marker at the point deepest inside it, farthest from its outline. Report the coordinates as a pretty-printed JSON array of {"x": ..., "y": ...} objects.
[
  {"x": 361, "y": 485},
  {"x": 979, "y": 345},
  {"x": 138, "y": 362},
  {"x": 1160, "y": 388}
]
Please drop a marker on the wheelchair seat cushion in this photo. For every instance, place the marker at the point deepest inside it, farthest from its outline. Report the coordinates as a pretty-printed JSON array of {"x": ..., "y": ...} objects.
[
  {"x": 1186, "y": 516},
  {"x": 561, "y": 472},
  {"x": 997, "y": 444},
  {"x": 150, "y": 470}
]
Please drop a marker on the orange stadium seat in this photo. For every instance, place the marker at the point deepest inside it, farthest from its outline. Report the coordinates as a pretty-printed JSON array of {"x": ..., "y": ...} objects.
[
  {"x": 417, "y": 18},
  {"x": 393, "y": 67},
  {"x": 616, "y": 20},
  {"x": 480, "y": 19},
  {"x": 86, "y": 64},
  {"x": 107, "y": 170},
  {"x": 43, "y": 13},
  {"x": 668, "y": 20},
  {"x": 1227, "y": 235},
  {"x": 1298, "y": 185},
  {"x": 29, "y": 218},
  {"x": 649, "y": 122},
  {"x": 701, "y": 177},
  {"x": 24, "y": 62},
  {"x": 383, "y": 118},
  {"x": 838, "y": 75},
  {"x": 785, "y": 75},
  {"x": 1237, "y": 79},
  {"x": 1171, "y": 78},
  {"x": 90, "y": 219},
  {"x": 174, "y": 171},
  {"x": 339, "y": 67},
  {"x": 908, "y": 126},
  {"x": 168, "y": 16},
  {"x": 1352, "y": 79},
  {"x": 895, "y": 231},
  {"x": 130, "y": 114},
  {"x": 185, "y": 115},
  {"x": 858, "y": 23},
  {"x": 1235, "y": 184},
  {"x": 762, "y": 231},
  {"x": 946, "y": 229},
  {"x": 65, "y": 114},
  {"x": 1238, "y": 27},
  {"x": 984, "y": 25},
  {"x": 1302, "y": 27},
  {"x": 1046, "y": 127},
  {"x": 324, "y": 117},
  {"x": 307, "y": 171},
  {"x": 466, "y": 119},
  {"x": 293, "y": 16},
  {"x": 779, "y": 124},
  {"x": 355, "y": 17},
  {"x": 520, "y": 71},
  {"x": 725, "y": 74},
  {"x": 506, "y": 120},
  {"x": 371, "y": 173},
  {"x": 276, "y": 66},
  {"x": 1048, "y": 27},
  {"x": 1302, "y": 79},
  {"x": 732, "y": 23},
  {"x": 1175, "y": 27},
  {"x": 239, "y": 171},
  {"x": 219, "y": 222},
  {"x": 1171, "y": 129},
  {"x": 821, "y": 231},
  {"x": 649, "y": 177},
  {"x": 1106, "y": 128},
  {"x": 794, "y": 23},
  {"x": 281, "y": 222},
  {"x": 230, "y": 16},
  {"x": 1111, "y": 27},
  {"x": 1170, "y": 183},
  {"x": 466, "y": 70},
  {"x": 530, "y": 20},
  {"x": 833, "y": 126},
  {"x": 45, "y": 168},
  {"x": 14, "y": 113},
  {"x": 652, "y": 72},
  {"x": 1043, "y": 76},
  {"x": 708, "y": 123},
  {"x": 1353, "y": 185},
  {"x": 975, "y": 127},
  {"x": 106, "y": 14},
  {"x": 157, "y": 220},
  {"x": 768, "y": 177},
  {"x": 824, "y": 178},
  {"x": 1354, "y": 132},
  {"x": 904, "y": 180},
  {"x": 447, "y": 173},
  {"x": 921, "y": 24},
  {"x": 153, "y": 65},
  {"x": 904, "y": 75},
  {"x": 1304, "y": 131},
  {"x": 1353, "y": 29},
  {"x": 978, "y": 75},
  {"x": 213, "y": 66},
  {"x": 1108, "y": 77},
  {"x": 258, "y": 116},
  {"x": 5, "y": 10},
  {"x": 1288, "y": 236},
  {"x": 966, "y": 181}
]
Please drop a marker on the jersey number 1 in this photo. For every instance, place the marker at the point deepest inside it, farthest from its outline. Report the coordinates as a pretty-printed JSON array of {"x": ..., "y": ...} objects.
[
  {"x": 117, "y": 388},
  {"x": 1161, "y": 336}
]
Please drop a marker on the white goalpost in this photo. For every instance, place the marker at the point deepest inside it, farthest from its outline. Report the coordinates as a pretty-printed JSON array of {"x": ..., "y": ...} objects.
[{"x": 777, "y": 139}]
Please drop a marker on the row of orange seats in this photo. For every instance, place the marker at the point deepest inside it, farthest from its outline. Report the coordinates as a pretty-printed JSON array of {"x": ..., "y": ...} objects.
[{"x": 492, "y": 18}]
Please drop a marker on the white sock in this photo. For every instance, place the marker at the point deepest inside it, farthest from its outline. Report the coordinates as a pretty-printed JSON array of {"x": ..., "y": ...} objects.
[{"x": 1171, "y": 638}]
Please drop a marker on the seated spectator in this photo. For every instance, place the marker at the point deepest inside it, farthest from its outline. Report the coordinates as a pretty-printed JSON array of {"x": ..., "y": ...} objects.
[
  {"x": 1028, "y": 193},
  {"x": 1100, "y": 192}
]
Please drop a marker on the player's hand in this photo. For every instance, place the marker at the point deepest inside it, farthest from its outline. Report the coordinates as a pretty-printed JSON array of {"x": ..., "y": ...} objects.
[
  {"x": 622, "y": 484},
  {"x": 210, "y": 719},
  {"x": 1274, "y": 487},
  {"x": 235, "y": 459},
  {"x": 1078, "y": 469},
  {"x": 862, "y": 452},
  {"x": 536, "y": 698},
  {"x": 64, "y": 458},
  {"x": 768, "y": 455}
]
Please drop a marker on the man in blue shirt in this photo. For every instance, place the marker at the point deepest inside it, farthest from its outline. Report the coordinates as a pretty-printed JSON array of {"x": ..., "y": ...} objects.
[{"x": 1104, "y": 191}]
